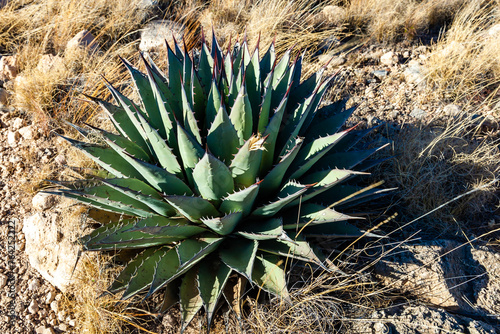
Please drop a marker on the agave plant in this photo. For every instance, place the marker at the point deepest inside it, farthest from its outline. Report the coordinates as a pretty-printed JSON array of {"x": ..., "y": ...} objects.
[{"x": 220, "y": 169}]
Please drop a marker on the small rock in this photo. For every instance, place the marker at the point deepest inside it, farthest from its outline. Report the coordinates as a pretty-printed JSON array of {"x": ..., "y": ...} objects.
[
  {"x": 63, "y": 327},
  {"x": 44, "y": 330},
  {"x": 406, "y": 54},
  {"x": 414, "y": 73},
  {"x": 72, "y": 323},
  {"x": 61, "y": 316},
  {"x": 381, "y": 74},
  {"x": 8, "y": 68},
  {"x": 3, "y": 97},
  {"x": 27, "y": 132},
  {"x": 494, "y": 30},
  {"x": 3, "y": 280},
  {"x": 33, "y": 307},
  {"x": 13, "y": 138},
  {"x": 43, "y": 201},
  {"x": 18, "y": 123},
  {"x": 60, "y": 160},
  {"x": 49, "y": 298},
  {"x": 155, "y": 33},
  {"x": 54, "y": 306},
  {"x": 333, "y": 14},
  {"x": 389, "y": 58},
  {"x": 34, "y": 285},
  {"x": 418, "y": 113},
  {"x": 83, "y": 40},
  {"x": 451, "y": 110},
  {"x": 50, "y": 63}
]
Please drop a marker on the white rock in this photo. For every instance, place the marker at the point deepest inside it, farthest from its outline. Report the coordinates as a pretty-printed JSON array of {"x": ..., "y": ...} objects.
[
  {"x": 452, "y": 110},
  {"x": 494, "y": 30},
  {"x": 3, "y": 280},
  {"x": 27, "y": 132},
  {"x": 8, "y": 68},
  {"x": 155, "y": 33},
  {"x": 13, "y": 138},
  {"x": 43, "y": 201},
  {"x": 33, "y": 307},
  {"x": 72, "y": 323},
  {"x": 18, "y": 123},
  {"x": 418, "y": 113},
  {"x": 83, "y": 40},
  {"x": 60, "y": 159},
  {"x": 388, "y": 58},
  {"x": 61, "y": 316},
  {"x": 44, "y": 330},
  {"x": 34, "y": 285},
  {"x": 54, "y": 306},
  {"x": 50, "y": 63},
  {"x": 50, "y": 250},
  {"x": 414, "y": 73},
  {"x": 63, "y": 327},
  {"x": 49, "y": 298}
]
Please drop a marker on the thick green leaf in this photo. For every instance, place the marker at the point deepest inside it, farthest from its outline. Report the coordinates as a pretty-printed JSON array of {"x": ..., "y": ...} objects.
[
  {"x": 212, "y": 179},
  {"x": 345, "y": 160},
  {"x": 104, "y": 203},
  {"x": 171, "y": 296},
  {"x": 162, "y": 152},
  {"x": 239, "y": 255},
  {"x": 131, "y": 270},
  {"x": 312, "y": 214},
  {"x": 262, "y": 230},
  {"x": 240, "y": 201},
  {"x": 213, "y": 104},
  {"x": 180, "y": 259},
  {"x": 191, "y": 301},
  {"x": 205, "y": 68},
  {"x": 272, "y": 180},
  {"x": 175, "y": 70},
  {"x": 272, "y": 208},
  {"x": 143, "y": 276},
  {"x": 241, "y": 115},
  {"x": 222, "y": 139},
  {"x": 157, "y": 177},
  {"x": 246, "y": 163},
  {"x": 321, "y": 127},
  {"x": 193, "y": 208},
  {"x": 265, "y": 109},
  {"x": 311, "y": 153},
  {"x": 190, "y": 150},
  {"x": 154, "y": 231},
  {"x": 297, "y": 249},
  {"x": 212, "y": 278},
  {"x": 147, "y": 97},
  {"x": 271, "y": 133},
  {"x": 142, "y": 192},
  {"x": 107, "y": 158},
  {"x": 190, "y": 122},
  {"x": 223, "y": 225},
  {"x": 269, "y": 275},
  {"x": 267, "y": 62}
]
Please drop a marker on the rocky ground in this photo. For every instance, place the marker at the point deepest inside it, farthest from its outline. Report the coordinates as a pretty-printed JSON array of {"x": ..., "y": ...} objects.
[{"x": 450, "y": 287}]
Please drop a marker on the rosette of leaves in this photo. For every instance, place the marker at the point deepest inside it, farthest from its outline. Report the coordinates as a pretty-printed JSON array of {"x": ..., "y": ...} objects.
[{"x": 221, "y": 168}]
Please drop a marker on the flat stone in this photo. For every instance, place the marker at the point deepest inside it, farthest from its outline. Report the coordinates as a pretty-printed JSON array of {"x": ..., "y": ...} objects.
[
  {"x": 33, "y": 307},
  {"x": 418, "y": 113},
  {"x": 50, "y": 63},
  {"x": 28, "y": 132},
  {"x": 380, "y": 74},
  {"x": 43, "y": 201},
  {"x": 333, "y": 14},
  {"x": 44, "y": 330},
  {"x": 155, "y": 33},
  {"x": 388, "y": 58},
  {"x": 13, "y": 138},
  {"x": 452, "y": 110},
  {"x": 50, "y": 248}
]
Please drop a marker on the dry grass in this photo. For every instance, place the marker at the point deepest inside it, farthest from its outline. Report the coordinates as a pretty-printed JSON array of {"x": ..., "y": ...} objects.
[
  {"x": 466, "y": 61},
  {"x": 434, "y": 164}
]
